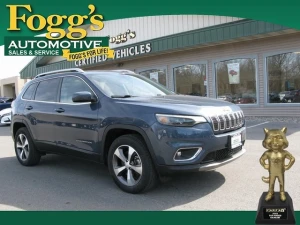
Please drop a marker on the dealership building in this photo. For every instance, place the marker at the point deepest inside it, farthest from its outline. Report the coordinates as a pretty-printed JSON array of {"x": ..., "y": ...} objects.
[{"x": 252, "y": 63}]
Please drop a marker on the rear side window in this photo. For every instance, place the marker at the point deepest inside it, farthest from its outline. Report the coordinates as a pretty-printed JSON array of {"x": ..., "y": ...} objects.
[
  {"x": 29, "y": 92},
  {"x": 70, "y": 86},
  {"x": 47, "y": 90}
]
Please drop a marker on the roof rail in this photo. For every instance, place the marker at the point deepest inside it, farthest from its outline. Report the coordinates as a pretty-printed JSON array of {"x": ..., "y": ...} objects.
[{"x": 59, "y": 71}]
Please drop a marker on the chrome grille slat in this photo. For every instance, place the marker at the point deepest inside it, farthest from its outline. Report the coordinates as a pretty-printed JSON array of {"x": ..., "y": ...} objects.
[
  {"x": 227, "y": 122},
  {"x": 222, "y": 122},
  {"x": 232, "y": 120},
  {"x": 236, "y": 119}
]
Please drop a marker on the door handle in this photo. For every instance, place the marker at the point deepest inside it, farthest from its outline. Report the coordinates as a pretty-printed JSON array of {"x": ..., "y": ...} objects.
[
  {"x": 60, "y": 110},
  {"x": 29, "y": 107}
]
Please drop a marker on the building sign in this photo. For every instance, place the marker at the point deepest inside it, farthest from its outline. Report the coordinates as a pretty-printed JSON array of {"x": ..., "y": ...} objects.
[
  {"x": 122, "y": 38},
  {"x": 72, "y": 42},
  {"x": 154, "y": 76},
  {"x": 234, "y": 73},
  {"x": 118, "y": 54}
]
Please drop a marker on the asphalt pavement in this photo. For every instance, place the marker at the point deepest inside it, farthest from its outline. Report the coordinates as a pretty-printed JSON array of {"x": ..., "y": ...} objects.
[{"x": 65, "y": 183}]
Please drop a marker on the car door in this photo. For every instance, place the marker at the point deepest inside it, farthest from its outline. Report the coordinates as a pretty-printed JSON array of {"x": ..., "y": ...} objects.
[
  {"x": 40, "y": 115},
  {"x": 76, "y": 123}
]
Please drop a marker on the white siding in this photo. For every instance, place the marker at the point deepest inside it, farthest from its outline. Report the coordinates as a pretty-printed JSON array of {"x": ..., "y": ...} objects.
[
  {"x": 151, "y": 27},
  {"x": 257, "y": 48}
]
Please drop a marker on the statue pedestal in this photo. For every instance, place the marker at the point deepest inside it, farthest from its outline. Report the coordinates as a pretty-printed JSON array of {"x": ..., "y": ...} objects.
[{"x": 275, "y": 211}]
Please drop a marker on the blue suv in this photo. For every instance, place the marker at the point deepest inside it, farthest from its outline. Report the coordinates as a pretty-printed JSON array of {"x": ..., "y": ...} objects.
[{"x": 135, "y": 126}]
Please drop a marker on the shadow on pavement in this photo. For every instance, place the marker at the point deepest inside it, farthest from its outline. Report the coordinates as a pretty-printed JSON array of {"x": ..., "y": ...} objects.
[{"x": 65, "y": 183}]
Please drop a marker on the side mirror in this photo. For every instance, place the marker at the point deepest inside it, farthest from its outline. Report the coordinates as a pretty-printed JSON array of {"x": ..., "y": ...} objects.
[{"x": 84, "y": 96}]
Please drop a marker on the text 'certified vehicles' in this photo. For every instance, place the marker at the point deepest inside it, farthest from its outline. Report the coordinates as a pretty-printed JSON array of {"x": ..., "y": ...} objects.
[{"x": 137, "y": 127}]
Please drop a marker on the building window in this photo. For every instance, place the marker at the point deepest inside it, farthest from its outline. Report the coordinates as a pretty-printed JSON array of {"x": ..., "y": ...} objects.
[
  {"x": 190, "y": 79},
  {"x": 158, "y": 75},
  {"x": 283, "y": 74},
  {"x": 236, "y": 80}
]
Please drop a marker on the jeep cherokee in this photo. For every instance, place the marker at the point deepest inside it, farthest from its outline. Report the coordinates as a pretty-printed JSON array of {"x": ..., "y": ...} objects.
[{"x": 135, "y": 126}]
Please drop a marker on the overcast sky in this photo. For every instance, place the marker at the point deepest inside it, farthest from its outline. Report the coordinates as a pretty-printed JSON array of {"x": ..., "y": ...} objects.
[{"x": 12, "y": 65}]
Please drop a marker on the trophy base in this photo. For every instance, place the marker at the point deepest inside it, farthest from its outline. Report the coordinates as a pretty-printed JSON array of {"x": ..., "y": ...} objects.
[{"x": 275, "y": 211}]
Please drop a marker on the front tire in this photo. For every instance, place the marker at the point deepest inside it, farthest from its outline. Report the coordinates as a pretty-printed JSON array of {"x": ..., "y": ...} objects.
[
  {"x": 25, "y": 149},
  {"x": 130, "y": 164}
]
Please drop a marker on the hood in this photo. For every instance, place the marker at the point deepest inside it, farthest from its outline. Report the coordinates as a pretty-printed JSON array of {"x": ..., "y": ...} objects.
[
  {"x": 5, "y": 111},
  {"x": 184, "y": 104}
]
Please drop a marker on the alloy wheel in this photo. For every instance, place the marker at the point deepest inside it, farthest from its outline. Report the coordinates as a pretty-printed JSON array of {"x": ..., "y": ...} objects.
[
  {"x": 127, "y": 165},
  {"x": 22, "y": 147}
]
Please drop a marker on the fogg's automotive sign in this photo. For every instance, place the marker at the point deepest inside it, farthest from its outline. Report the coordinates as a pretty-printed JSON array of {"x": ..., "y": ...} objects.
[
  {"x": 72, "y": 43},
  {"x": 118, "y": 54}
]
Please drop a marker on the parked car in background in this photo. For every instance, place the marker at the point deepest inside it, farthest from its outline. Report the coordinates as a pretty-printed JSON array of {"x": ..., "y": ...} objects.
[
  {"x": 296, "y": 96},
  {"x": 291, "y": 96},
  {"x": 227, "y": 98},
  {"x": 274, "y": 97},
  {"x": 5, "y": 116},
  {"x": 5, "y": 102},
  {"x": 245, "y": 100},
  {"x": 283, "y": 94}
]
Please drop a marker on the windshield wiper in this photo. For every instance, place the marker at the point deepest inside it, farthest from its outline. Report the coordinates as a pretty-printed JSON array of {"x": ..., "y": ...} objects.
[{"x": 122, "y": 96}]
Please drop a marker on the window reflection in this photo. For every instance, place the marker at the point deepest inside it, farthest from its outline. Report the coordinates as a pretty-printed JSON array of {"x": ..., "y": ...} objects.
[
  {"x": 191, "y": 80},
  {"x": 283, "y": 72},
  {"x": 236, "y": 81},
  {"x": 157, "y": 75}
]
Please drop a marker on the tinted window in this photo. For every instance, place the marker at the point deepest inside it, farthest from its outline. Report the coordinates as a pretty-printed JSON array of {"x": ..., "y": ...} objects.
[
  {"x": 70, "y": 86},
  {"x": 46, "y": 91},
  {"x": 28, "y": 93}
]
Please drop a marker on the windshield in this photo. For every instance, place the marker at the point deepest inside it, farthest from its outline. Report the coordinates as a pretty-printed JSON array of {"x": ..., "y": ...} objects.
[{"x": 123, "y": 85}]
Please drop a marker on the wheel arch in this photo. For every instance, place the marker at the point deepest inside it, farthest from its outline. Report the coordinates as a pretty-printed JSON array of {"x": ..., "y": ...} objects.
[
  {"x": 19, "y": 124},
  {"x": 115, "y": 131}
]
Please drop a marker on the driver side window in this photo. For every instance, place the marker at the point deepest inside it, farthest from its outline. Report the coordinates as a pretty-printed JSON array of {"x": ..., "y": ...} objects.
[{"x": 71, "y": 85}]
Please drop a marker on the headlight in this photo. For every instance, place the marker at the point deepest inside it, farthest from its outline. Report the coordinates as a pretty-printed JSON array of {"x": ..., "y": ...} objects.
[
  {"x": 181, "y": 121},
  {"x": 6, "y": 114}
]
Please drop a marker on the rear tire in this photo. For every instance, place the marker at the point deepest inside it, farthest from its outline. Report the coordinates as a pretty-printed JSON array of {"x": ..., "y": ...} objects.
[
  {"x": 130, "y": 164},
  {"x": 25, "y": 149}
]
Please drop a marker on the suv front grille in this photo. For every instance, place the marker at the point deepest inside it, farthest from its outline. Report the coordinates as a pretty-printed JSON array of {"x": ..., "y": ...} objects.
[{"x": 227, "y": 122}]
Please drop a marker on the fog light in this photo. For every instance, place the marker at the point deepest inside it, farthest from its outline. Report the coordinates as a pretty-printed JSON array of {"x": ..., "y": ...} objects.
[{"x": 185, "y": 154}]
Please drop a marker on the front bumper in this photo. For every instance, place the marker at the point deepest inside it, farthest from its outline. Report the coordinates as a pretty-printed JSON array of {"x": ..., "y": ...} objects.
[
  {"x": 215, "y": 148},
  {"x": 164, "y": 170}
]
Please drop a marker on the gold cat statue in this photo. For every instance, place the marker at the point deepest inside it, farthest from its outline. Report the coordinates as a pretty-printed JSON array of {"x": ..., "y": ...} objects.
[{"x": 275, "y": 141}]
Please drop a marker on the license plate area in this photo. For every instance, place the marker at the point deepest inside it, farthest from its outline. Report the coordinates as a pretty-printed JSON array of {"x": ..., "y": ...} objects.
[{"x": 235, "y": 141}]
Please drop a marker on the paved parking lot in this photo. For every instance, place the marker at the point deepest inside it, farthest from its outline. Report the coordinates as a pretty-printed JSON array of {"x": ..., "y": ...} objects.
[{"x": 64, "y": 183}]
